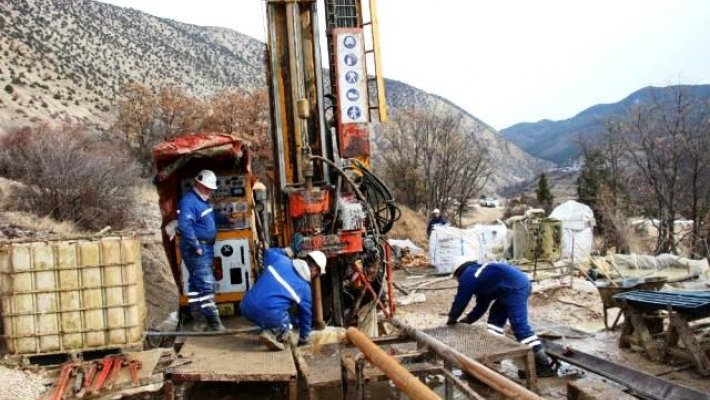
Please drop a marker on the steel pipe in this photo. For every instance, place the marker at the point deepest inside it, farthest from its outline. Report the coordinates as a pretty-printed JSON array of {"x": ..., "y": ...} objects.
[
  {"x": 226, "y": 332},
  {"x": 484, "y": 374},
  {"x": 400, "y": 376}
]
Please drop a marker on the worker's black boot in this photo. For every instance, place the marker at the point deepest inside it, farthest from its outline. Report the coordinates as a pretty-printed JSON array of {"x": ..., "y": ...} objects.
[
  {"x": 199, "y": 323},
  {"x": 214, "y": 323},
  {"x": 544, "y": 365}
]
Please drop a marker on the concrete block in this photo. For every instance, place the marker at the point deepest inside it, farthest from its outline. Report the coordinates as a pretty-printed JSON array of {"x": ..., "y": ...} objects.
[{"x": 587, "y": 389}]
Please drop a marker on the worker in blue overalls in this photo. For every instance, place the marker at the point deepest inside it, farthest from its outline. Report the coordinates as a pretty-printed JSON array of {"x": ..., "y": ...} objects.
[
  {"x": 283, "y": 283},
  {"x": 507, "y": 288},
  {"x": 197, "y": 222}
]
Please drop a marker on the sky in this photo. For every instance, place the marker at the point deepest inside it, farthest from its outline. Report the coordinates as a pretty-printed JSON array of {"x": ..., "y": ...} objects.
[{"x": 508, "y": 61}]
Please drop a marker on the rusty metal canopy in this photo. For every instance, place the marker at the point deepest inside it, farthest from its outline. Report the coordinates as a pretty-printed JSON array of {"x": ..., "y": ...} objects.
[{"x": 183, "y": 157}]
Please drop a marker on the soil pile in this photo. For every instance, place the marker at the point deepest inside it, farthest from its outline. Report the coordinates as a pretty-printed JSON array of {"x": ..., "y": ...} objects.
[
  {"x": 161, "y": 293},
  {"x": 411, "y": 225}
]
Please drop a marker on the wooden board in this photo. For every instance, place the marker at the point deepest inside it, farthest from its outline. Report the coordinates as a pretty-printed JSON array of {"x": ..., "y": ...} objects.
[{"x": 238, "y": 358}]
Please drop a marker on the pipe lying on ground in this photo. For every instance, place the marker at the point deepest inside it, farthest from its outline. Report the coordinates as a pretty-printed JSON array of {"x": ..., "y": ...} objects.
[
  {"x": 484, "y": 374},
  {"x": 400, "y": 376},
  {"x": 226, "y": 332}
]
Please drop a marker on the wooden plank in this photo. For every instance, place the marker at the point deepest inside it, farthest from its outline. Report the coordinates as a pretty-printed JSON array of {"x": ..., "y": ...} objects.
[
  {"x": 237, "y": 358},
  {"x": 680, "y": 324},
  {"x": 319, "y": 365},
  {"x": 642, "y": 333}
]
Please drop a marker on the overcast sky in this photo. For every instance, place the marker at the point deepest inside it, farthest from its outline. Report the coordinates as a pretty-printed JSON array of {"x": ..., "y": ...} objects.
[{"x": 513, "y": 61}]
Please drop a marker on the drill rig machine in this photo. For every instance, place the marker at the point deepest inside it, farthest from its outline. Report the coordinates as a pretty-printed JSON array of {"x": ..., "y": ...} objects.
[{"x": 324, "y": 196}]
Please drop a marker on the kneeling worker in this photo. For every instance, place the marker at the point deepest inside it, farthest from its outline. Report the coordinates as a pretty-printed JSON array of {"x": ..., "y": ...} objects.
[
  {"x": 508, "y": 289},
  {"x": 283, "y": 283}
]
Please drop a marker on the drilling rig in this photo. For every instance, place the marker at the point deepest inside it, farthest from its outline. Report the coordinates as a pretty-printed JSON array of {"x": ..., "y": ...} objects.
[
  {"x": 320, "y": 191},
  {"x": 324, "y": 195}
]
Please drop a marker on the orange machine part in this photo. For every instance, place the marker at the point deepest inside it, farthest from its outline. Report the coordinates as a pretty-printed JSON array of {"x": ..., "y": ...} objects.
[
  {"x": 352, "y": 240},
  {"x": 304, "y": 202}
]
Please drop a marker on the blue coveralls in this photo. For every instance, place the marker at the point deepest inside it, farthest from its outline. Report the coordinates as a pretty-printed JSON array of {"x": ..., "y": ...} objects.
[
  {"x": 197, "y": 222},
  {"x": 504, "y": 286},
  {"x": 279, "y": 286}
]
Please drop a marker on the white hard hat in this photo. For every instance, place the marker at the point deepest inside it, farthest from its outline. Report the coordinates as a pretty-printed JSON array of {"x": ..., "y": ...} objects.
[
  {"x": 319, "y": 258},
  {"x": 436, "y": 211},
  {"x": 207, "y": 178}
]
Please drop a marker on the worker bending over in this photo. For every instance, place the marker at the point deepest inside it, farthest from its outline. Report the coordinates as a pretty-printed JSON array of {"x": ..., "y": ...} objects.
[
  {"x": 197, "y": 222},
  {"x": 508, "y": 289},
  {"x": 283, "y": 283}
]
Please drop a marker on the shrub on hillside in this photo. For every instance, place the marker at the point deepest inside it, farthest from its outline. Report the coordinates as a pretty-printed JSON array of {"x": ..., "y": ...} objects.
[{"x": 70, "y": 175}]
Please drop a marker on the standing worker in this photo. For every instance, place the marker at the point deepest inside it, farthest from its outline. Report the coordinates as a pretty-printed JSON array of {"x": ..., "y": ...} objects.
[
  {"x": 508, "y": 289},
  {"x": 283, "y": 283},
  {"x": 197, "y": 222},
  {"x": 436, "y": 219}
]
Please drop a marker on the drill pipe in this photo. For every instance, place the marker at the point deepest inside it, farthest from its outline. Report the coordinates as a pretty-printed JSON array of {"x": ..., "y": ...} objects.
[
  {"x": 317, "y": 304},
  {"x": 403, "y": 379},
  {"x": 484, "y": 374}
]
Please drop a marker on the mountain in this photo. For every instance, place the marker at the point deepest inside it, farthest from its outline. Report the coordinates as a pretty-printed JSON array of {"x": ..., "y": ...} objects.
[
  {"x": 65, "y": 60},
  {"x": 557, "y": 141}
]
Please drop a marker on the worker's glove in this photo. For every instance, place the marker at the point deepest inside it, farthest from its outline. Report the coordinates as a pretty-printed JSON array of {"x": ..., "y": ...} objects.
[
  {"x": 303, "y": 341},
  {"x": 451, "y": 322},
  {"x": 296, "y": 243}
]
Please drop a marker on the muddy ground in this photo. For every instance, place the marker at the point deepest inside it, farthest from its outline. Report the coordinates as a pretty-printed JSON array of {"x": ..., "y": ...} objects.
[{"x": 574, "y": 313}]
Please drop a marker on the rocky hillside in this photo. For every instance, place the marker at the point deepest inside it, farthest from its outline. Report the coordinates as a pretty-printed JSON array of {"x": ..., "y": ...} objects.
[
  {"x": 65, "y": 60},
  {"x": 558, "y": 141}
]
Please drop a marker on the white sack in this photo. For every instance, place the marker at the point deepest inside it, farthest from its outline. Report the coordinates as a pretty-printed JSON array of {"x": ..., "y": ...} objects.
[
  {"x": 447, "y": 244},
  {"x": 577, "y": 221}
]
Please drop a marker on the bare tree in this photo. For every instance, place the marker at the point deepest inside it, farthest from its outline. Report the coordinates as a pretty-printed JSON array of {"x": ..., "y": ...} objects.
[
  {"x": 178, "y": 112},
  {"x": 695, "y": 168},
  {"x": 665, "y": 140},
  {"x": 69, "y": 175},
  {"x": 245, "y": 114},
  {"x": 136, "y": 113},
  {"x": 603, "y": 185},
  {"x": 430, "y": 161}
]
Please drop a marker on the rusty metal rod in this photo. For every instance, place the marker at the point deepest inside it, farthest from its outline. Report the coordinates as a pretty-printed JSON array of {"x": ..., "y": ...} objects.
[
  {"x": 357, "y": 266},
  {"x": 400, "y": 376},
  {"x": 318, "y": 304},
  {"x": 484, "y": 374}
]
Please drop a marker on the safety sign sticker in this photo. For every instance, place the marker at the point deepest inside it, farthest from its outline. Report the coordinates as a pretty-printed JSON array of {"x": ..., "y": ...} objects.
[{"x": 352, "y": 76}]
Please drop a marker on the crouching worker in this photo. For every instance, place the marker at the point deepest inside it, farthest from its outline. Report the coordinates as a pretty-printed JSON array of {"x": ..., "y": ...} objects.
[
  {"x": 283, "y": 283},
  {"x": 507, "y": 289}
]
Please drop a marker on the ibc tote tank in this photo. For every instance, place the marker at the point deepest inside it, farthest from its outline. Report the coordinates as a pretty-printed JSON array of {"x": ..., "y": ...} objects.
[{"x": 71, "y": 295}]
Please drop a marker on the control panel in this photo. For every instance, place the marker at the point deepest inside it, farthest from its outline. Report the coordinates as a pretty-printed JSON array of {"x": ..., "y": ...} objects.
[
  {"x": 229, "y": 199},
  {"x": 227, "y": 187},
  {"x": 232, "y": 266}
]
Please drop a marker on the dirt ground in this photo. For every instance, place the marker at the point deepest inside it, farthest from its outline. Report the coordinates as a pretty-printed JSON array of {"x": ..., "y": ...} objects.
[
  {"x": 573, "y": 313},
  {"x": 482, "y": 215}
]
